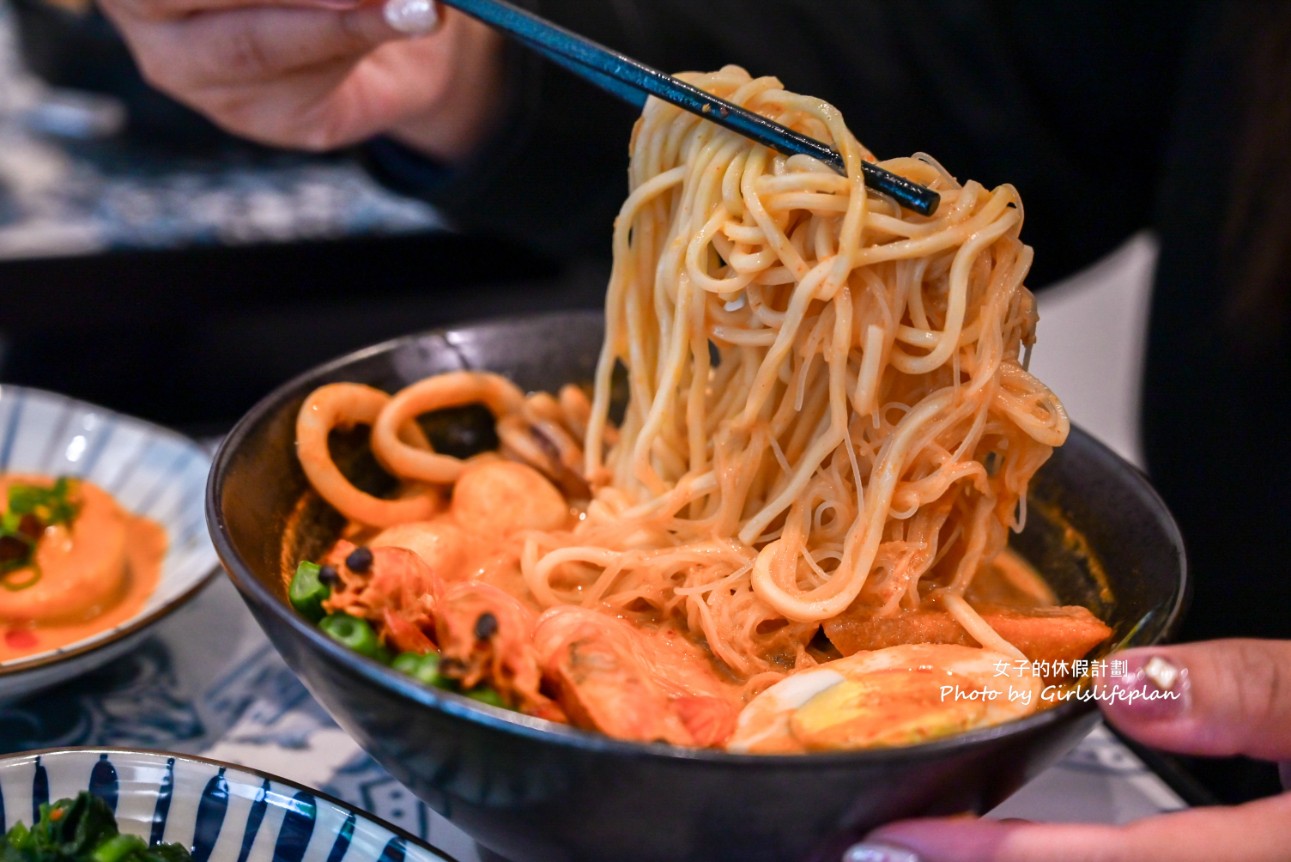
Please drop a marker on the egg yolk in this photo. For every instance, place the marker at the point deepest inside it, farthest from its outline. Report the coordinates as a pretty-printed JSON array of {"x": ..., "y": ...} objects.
[{"x": 897, "y": 706}]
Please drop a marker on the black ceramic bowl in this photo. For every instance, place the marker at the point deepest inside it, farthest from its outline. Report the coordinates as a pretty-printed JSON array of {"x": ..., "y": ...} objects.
[{"x": 530, "y": 790}]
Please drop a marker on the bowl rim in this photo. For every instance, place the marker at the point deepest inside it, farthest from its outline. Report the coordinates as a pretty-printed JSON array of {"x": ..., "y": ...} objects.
[
  {"x": 134, "y": 625},
  {"x": 160, "y": 754},
  {"x": 566, "y": 736}
]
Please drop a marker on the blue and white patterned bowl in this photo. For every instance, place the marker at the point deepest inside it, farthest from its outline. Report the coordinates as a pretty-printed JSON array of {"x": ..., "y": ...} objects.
[
  {"x": 150, "y": 470},
  {"x": 220, "y": 811}
]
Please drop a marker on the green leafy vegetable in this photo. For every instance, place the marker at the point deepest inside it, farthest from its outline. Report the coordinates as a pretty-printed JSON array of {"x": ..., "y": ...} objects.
[{"x": 81, "y": 830}]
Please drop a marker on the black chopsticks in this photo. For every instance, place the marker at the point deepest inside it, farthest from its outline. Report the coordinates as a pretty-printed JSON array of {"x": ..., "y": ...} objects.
[{"x": 633, "y": 81}]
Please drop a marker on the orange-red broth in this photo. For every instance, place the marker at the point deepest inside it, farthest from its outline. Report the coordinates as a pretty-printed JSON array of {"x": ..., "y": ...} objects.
[{"x": 474, "y": 539}]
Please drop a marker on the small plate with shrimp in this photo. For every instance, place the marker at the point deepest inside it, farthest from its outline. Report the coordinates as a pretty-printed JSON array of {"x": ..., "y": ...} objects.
[{"x": 101, "y": 534}]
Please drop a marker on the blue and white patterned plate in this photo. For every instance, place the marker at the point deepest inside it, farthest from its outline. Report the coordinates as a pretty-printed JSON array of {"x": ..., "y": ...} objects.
[
  {"x": 151, "y": 471},
  {"x": 219, "y": 811}
]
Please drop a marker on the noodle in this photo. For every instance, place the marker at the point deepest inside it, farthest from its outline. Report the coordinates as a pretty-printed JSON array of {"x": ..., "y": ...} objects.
[
  {"x": 826, "y": 403},
  {"x": 933, "y": 319}
]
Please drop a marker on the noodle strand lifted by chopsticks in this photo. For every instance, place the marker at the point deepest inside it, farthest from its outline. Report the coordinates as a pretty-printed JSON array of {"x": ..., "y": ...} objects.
[{"x": 793, "y": 341}]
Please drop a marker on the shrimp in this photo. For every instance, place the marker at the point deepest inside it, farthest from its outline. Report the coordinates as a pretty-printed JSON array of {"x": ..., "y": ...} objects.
[
  {"x": 440, "y": 543},
  {"x": 601, "y": 677},
  {"x": 343, "y": 405},
  {"x": 396, "y": 585},
  {"x": 453, "y": 389},
  {"x": 485, "y": 635}
]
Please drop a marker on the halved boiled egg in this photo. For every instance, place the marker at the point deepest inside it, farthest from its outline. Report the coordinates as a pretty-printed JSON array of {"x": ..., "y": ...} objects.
[{"x": 900, "y": 695}]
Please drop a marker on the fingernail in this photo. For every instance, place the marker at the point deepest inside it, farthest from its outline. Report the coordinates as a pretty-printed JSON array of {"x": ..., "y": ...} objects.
[
  {"x": 412, "y": 17},
  {"x": 1151, "y": 687},
  {"x": 871, "y": 851}
]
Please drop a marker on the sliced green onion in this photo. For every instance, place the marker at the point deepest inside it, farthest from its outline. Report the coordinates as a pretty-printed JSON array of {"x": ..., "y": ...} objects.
[
  {"x": 307, "y": 593},
  {"x": 16, "y": 579},
  {"x": 486, "y": 694},
  {"x": 53, "y": 505},
  {"x": 423, "y": 667},
  {"x": 353, "y": 633}
]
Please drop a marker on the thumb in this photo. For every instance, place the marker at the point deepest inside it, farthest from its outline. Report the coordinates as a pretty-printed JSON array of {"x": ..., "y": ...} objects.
[
  {"x": 1255, "y": 832},
  {"x": 1213, "y": 698}
]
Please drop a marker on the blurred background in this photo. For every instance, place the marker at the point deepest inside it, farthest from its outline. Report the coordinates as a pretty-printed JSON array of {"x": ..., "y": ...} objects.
[{"x": 153, "y": 264}]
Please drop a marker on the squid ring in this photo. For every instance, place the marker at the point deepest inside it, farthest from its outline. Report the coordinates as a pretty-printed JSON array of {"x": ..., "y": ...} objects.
[
  {"x": 453, "y": 389},
  {"x": 344, "y": 405}
]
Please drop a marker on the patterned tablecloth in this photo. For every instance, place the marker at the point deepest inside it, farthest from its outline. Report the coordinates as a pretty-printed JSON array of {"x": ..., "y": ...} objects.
[
  {"x": 210, "y": 683},
  {"x": 70, "y": 184}
]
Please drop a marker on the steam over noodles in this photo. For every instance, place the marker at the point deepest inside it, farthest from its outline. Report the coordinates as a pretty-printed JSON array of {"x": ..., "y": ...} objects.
[{"x": 829, "y": 419}]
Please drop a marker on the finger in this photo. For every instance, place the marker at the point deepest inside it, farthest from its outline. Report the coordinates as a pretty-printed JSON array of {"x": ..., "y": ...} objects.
[
  {"x": 163, "y": 10},
  {"x": 1255, "y": 832},
  {"x": 332, "y": 5},
  {"x": 252, "y": 45},
  {"x": 1213, "y": 698}
]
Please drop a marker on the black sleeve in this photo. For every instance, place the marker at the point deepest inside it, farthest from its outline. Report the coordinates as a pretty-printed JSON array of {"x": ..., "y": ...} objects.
[
  {"x": 1067, "y": 101},
  {"x": 1218, "y": 367}
]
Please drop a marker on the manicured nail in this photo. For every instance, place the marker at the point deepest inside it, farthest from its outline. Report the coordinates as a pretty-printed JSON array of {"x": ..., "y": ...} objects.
[
  {"x": 1151, "y": 687},
  {"x": 412, "y": 17},
  {"x": 871, "y": 851}
]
